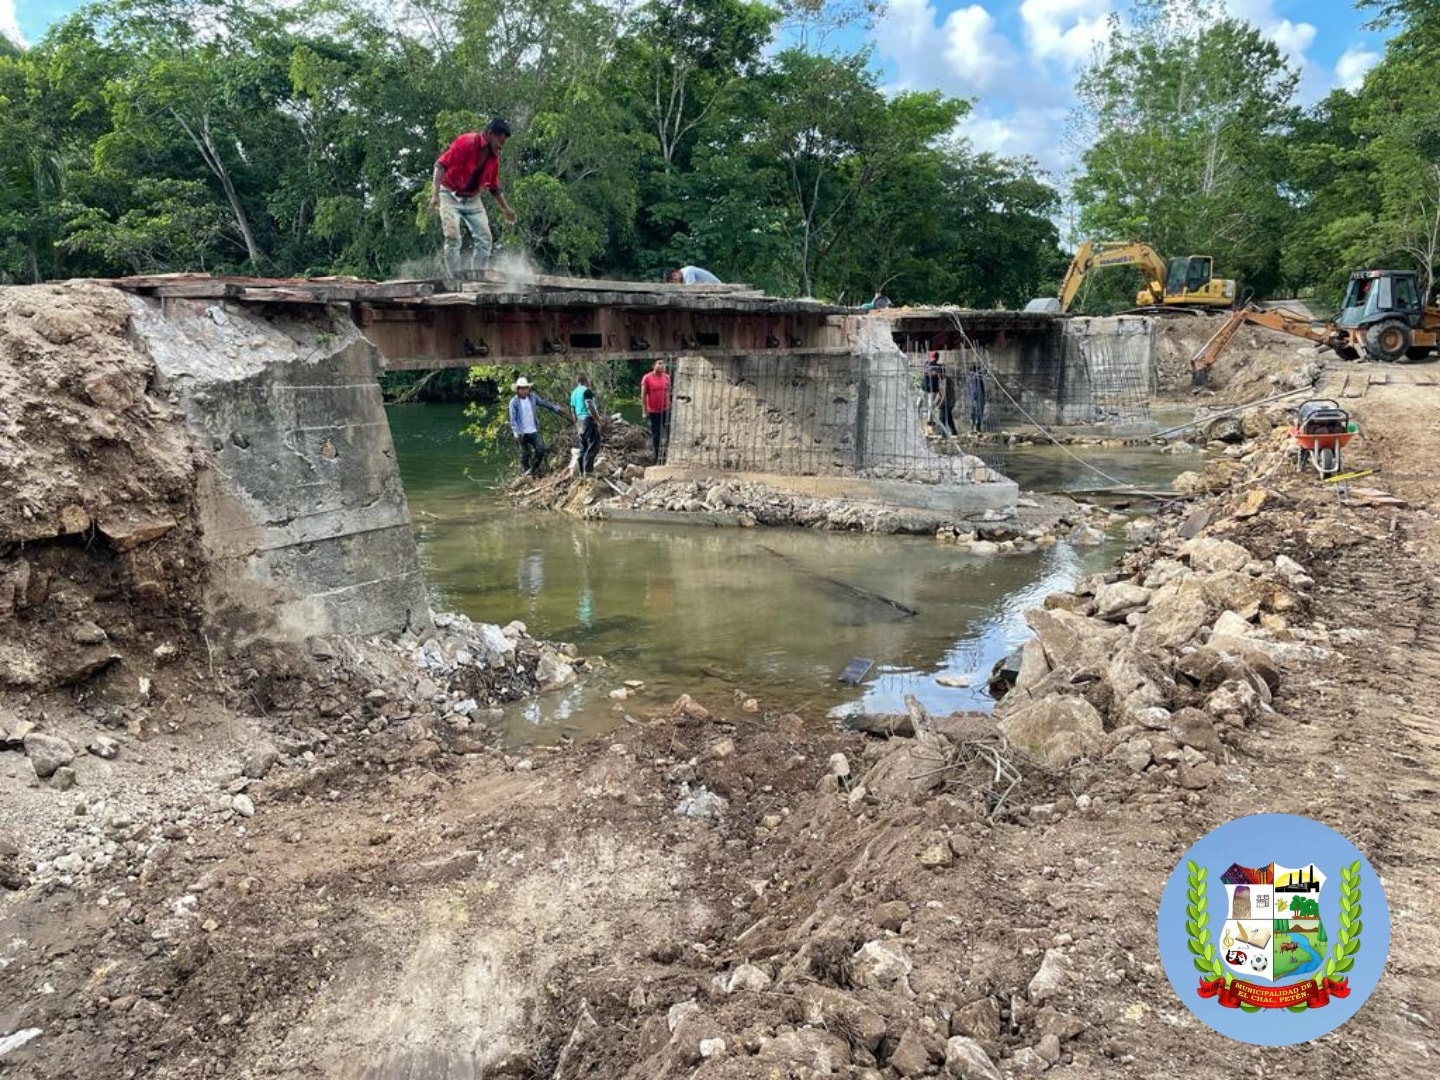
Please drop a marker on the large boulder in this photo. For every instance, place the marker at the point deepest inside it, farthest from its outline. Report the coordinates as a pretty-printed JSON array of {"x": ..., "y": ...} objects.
[
  {"x": 965, "y": 1059},
  {"x": 1071, "y": 640},
  {"x": 1033, "y": 666},
  {"x": 881, "y": 965},
  {"x": 1222, "y": 659},
  {"x": 835, "y": 1010},
  {"x": 1114, "y": 602},
  {"x": 48, "y": 753},
  {"x": 1212, "y": 555},
  {"x": 1138, "y": 682},
  {"x": 1192, "y": 727},
  {"x": 1055, "y": 729},
  {"x": 1177, "y": 613},
  {"x": 908, "y": 770},
  {"x": 811, "y": 1048},
  {"x": 1235, "y": 591}
]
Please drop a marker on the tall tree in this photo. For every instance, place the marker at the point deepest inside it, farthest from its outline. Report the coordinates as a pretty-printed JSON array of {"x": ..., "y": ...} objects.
[{"x": 1182, "y": 117}]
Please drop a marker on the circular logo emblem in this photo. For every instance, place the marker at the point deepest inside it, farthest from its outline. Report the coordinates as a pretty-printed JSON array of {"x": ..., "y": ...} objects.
[{"x": 1274, "y": 929}]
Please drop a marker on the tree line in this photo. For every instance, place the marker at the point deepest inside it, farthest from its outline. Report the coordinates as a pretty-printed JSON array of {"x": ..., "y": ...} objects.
[
  {"x": 285, "y": 138},
  {"x": 281, "y": 138}
]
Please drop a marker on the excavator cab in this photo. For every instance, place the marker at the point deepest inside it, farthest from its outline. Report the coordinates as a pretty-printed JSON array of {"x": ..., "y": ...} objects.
[{"x": 1188, "y": 275}]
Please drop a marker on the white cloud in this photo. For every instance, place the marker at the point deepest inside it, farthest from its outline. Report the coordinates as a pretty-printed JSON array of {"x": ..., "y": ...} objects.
[
  {"x": 1292, "y": 38},
  {"x": 1065, "y": 31},
  {"x": 1353, "y": 65},
  {"x": 964, "y": 54},
  {"x": 9, "y": 25},
  {"x": 1036, "y": 131}
]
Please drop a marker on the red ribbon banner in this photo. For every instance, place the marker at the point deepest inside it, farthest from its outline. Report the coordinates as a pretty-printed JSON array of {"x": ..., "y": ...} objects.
[{"x": 1239, "y": 992}]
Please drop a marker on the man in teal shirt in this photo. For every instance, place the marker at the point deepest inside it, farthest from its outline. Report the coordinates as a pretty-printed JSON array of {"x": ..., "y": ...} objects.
[{"x": 586, "y": 410}]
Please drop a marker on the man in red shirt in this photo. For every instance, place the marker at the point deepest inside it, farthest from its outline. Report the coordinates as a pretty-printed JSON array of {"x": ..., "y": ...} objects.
[
  {"x": 469, "y": 167},
  {"x": 655, "y": 401}
]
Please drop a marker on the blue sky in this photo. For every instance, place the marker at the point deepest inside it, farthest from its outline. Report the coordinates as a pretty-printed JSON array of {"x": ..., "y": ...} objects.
[{"x": 1016, "y": 58}]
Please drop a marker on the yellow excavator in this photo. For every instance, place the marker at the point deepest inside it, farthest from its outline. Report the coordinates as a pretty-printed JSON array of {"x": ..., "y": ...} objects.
[{"x": 1184, "y": 283}]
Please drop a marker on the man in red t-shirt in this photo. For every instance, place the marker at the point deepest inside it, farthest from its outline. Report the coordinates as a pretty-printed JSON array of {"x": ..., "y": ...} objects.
[
  {"x": 655, "y": 400},
  {"x": 469, "y": 167}
]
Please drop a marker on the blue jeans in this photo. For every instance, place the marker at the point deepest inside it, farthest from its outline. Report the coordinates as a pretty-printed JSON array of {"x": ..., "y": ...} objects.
[{"x": 457, "y": 217}]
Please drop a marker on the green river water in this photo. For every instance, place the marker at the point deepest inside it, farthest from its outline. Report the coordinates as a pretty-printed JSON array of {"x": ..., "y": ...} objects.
[{"x": 710, "y": 611}]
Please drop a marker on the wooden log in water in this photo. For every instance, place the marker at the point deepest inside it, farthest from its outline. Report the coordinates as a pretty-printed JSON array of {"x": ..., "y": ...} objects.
[{"x": 844, "y": 586}]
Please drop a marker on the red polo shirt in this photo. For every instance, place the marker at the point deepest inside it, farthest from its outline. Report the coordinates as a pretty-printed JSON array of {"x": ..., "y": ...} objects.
[
  {"x": 656, "y": 391},
  {"x": 470, "y": 164}
]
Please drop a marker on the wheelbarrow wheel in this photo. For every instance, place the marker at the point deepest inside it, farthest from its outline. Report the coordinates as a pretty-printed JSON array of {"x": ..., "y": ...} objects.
[{"x": 1328, "y": 461}]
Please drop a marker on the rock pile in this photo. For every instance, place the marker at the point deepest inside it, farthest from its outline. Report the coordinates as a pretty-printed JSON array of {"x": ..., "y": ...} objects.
[{"x": 345, "y": 704}]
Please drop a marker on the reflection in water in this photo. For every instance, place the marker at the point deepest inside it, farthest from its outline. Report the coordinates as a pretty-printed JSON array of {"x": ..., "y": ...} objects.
[
  {"x": 531, "y": 573},
  {"x": 710, "y": 611}
]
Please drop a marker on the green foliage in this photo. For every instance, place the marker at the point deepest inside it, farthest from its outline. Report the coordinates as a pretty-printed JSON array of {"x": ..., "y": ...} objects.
[
  {"x": 1184, "y": 119},
  {"x": 298, "y": 138}
]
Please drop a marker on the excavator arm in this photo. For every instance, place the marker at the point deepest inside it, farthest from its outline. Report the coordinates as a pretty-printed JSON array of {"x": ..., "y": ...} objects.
[
  {"x": 1285, "y": 322},
  {"x": 1092, "y": 256}
]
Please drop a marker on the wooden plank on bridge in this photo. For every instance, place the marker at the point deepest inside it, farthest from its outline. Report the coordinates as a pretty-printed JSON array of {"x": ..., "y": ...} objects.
[{"x": 494, "y": 279}]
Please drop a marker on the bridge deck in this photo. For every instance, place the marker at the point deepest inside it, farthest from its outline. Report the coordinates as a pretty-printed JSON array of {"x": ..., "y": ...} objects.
[{"x": 494, "y": 318}]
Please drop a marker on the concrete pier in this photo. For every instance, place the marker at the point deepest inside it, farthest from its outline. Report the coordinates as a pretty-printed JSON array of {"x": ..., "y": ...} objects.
[{"x": 304, "y": 515}]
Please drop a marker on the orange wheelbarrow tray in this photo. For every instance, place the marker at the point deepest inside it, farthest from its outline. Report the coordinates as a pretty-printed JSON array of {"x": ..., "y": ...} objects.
[
  {"x": 1320, "y": 430},
  {"x": 1329, "y": 440}
]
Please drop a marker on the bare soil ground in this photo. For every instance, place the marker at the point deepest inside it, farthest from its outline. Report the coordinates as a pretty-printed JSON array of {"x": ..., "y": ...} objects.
[
  {"x": 1258, "y": 361},
  {"x": 406, "y": 904}
]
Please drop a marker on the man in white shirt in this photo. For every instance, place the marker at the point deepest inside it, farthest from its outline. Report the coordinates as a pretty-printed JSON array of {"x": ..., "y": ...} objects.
[{"x": 692, "y": 275}]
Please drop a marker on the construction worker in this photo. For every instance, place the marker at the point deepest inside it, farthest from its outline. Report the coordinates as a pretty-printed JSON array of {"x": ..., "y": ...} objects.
[
  {"x": 691, "y": 275},
  {"x": 469, "y": 167},
  {"x": 525, "y": 426},
  {"x": 975, "y": 395},
  {"x": 655, "y": 402},
  {"x": 587, "y": 416}
]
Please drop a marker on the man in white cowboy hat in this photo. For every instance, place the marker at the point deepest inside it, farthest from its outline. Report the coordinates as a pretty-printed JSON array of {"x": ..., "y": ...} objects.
[{"x": 524, "y": 423}]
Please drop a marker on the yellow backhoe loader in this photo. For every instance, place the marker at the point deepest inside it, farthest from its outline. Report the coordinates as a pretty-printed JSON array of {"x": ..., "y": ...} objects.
[
  {"x": 1383, "y": 317},
  {"x": 1181, "y": 283}
]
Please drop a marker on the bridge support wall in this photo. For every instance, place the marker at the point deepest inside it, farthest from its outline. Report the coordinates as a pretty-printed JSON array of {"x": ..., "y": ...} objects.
[
  {"x": 839, "y": 426},
  {"x": 304, "y": 516}
]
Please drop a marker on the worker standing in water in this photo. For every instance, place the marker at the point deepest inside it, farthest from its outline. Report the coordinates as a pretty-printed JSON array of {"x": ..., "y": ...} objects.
[
  {"x": 586, "y": 409},
  {"x": 468, "y": 168}
]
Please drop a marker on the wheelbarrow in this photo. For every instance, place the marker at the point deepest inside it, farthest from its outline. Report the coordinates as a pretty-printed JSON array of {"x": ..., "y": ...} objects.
[{"x": 1321, "y": 430}]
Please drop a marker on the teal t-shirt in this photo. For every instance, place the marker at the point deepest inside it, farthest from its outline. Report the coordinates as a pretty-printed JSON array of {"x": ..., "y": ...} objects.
[{"x": 580, "y": 399}]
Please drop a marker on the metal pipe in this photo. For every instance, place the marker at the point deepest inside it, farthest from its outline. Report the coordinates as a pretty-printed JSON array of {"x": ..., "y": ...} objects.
[{"x": 1231, "y": 411}]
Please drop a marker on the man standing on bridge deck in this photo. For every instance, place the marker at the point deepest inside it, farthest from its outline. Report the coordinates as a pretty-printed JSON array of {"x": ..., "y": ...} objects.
[
  {"x": 586, "y": 410},
  {"x": 469, "y": 167},
  {"x": 655, "y": 401},
  {"x": 525, "y": 425}
]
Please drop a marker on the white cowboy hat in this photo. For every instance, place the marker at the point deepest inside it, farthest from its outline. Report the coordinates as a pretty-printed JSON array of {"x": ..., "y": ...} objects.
[{"x": 522, "y": 381}]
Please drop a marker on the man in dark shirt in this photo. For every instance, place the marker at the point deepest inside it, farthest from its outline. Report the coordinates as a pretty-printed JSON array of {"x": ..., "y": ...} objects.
[
  {"x": 587, "y": 416},
  {"x": 469, "y": 167},
  {"x": 975, "y": 394}
]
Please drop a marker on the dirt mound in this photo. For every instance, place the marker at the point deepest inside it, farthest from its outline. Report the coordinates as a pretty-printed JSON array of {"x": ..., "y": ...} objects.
[
  {"x": 98, "y": 553},
  {"x": 1256, "y": 362}
]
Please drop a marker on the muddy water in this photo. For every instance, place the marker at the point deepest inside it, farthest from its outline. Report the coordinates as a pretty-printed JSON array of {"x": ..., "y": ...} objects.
[{"x": 776, "y": 614}]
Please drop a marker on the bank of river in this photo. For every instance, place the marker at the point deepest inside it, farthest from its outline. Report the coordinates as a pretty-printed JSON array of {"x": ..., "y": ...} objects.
[{"x": 710, "y": 611}]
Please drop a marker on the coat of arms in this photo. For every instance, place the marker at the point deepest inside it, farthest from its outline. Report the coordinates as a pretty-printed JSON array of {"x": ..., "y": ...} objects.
[{"x": 1273, "y": 934}]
